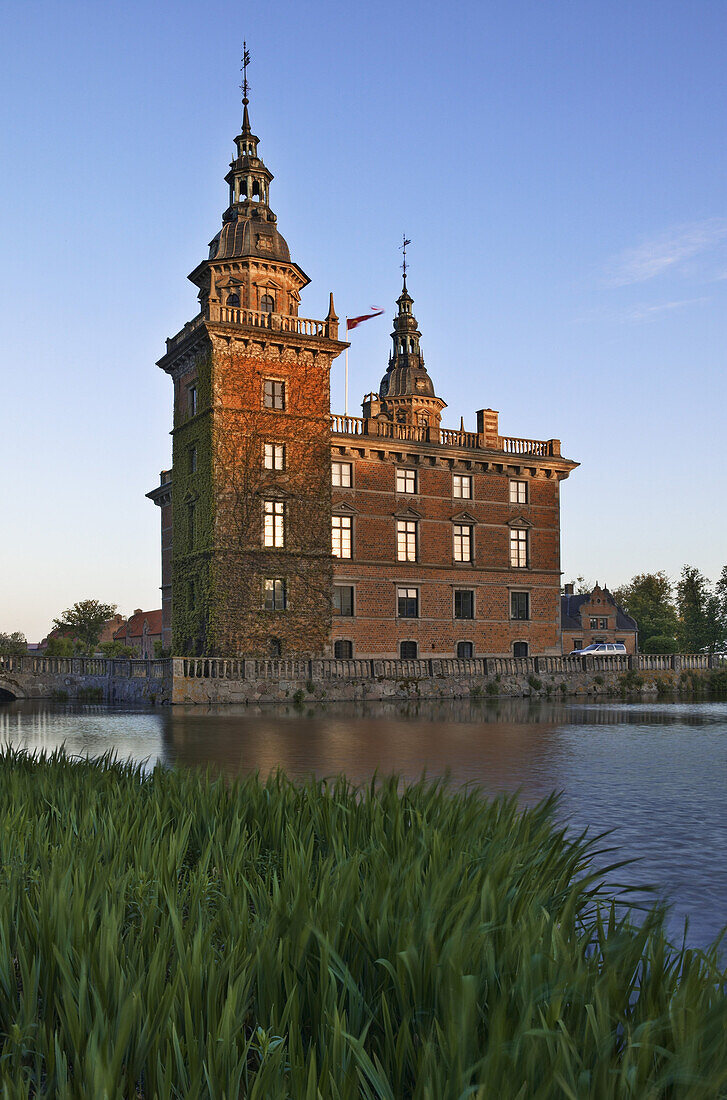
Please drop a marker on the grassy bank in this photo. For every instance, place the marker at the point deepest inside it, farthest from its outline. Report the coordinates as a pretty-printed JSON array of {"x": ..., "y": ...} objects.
[{"x": 176, "y": 936}]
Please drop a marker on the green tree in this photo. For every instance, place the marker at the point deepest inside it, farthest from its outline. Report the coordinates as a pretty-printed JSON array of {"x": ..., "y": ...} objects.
[
  {"x": 117, "y": 649},
  {"x": 648, "y": 598},
  {"x": 702, "y": 620},
  {"x": 86, "y": 620},
  {"x": 61, "y": 647},
  {"x": 13, "y": 645}
]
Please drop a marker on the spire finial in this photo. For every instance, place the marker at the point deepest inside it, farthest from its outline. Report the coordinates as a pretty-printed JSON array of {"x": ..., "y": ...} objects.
[
  {"x": 245, "y": 88},
  {"x": 403, "y": 248}
]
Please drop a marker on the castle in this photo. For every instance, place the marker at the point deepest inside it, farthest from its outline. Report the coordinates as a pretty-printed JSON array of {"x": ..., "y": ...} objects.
[{"x": 286, "y": 530}]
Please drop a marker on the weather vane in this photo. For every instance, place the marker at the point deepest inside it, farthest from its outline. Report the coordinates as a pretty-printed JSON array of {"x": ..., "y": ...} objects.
[
  {"x": 403, "y": 248},
  {"x": 245, "y": 87}
]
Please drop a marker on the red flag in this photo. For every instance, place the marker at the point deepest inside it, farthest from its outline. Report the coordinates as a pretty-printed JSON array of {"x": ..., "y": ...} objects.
[{"x": 351, "y": 322}]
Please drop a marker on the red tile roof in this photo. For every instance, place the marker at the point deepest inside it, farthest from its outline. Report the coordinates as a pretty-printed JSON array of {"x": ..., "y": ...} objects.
[{"x": 134, "y": 627}]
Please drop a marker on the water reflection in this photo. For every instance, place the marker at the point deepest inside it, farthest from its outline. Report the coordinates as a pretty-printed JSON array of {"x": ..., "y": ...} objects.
[{"x": 653, "y": 772}]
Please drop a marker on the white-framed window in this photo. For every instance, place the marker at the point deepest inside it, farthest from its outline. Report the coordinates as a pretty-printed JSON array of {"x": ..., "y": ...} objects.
[
  {"x": 462, "y": 542},
  {"x": 407, "y": 603},
  {"x": 406, "y": 481},
  {"x": 462, "y": 486},
  {"x": 342, "y": 474},
  {"x": 518, "y": 547},
  {"x": 273, "y": 394},
  {"x": 406, "y": 540},
  {"x": 518, "y": 492},
  {"x": 519, "y": 605},
  {"x": 341, "y": 536},
  {"x": 275, "y": 594},
  {"x": 274, "y": 456},
  {"x": 274, "y": 523}
]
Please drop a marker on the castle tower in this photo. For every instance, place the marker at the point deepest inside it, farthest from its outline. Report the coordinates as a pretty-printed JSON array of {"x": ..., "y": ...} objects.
[
  {"x": 250, "y": 567},
  {"x": 406, "y": 394}
]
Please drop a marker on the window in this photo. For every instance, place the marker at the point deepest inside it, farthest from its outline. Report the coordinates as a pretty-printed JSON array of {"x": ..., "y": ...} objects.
[
  {"x": 343, "y": 649},
  {"x": 408, "y": 651},
  {"x": 275, "y": 597},
  {"x": 274, "y": 523},
  {"x": 518, "y": 492},
  {"x": 190, "y": 595},
  {"x": 191, "y": 526},
  {"x": 191, "y": 400},
  {"x": 341, "y": 536},
  {"x": 518, "y": 548},
  {"x": 593, "y": 624},
  {"x": 462, "y": 486},
  {"x": 274, "y": 456},
  {"x": 408, "y": 603},
  {"x": 465, "y": 650},
  {"x": 267, "y": 303},
  {"x": 273, "y": 394},
  {"x": 343, "y": 599},
  {"x": 275, "y": 648},
  {"x": 520, "y": 649},
  {"x": 462, "y": 542},
  {"x": 406, "y": 481},
  {"x": 233, "y": 299},
  {"x": 578, "y": 643},
  {"x": 406, "y": 540},
  {"x": 620, "y": 641},
  {"x": 464, "y": 603},
  {"x": 603, "y": 624},
  {"x": 519, "y": 605},
  {"x": 341, "y": 474},
  {"x": 192, "y": 459}
]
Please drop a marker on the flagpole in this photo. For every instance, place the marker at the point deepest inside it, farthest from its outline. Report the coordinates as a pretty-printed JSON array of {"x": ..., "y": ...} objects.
[{"x": 345, "y": 378}]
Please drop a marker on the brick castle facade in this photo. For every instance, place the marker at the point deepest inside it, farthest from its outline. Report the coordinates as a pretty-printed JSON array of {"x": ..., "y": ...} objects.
[{"x": 286, "y": 530}]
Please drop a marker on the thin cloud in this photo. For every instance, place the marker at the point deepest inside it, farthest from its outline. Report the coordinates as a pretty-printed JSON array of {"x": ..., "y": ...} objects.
[
  {"x": 650, "y": 313},
  {"x": 660, "y": 254}
]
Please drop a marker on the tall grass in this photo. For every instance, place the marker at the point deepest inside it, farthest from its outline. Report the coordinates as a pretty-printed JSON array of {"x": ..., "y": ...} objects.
[{"x": 172, "y": 935}]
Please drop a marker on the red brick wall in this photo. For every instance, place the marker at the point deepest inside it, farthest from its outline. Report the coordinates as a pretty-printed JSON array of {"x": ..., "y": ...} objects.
[{"x": 375, "y": 628}]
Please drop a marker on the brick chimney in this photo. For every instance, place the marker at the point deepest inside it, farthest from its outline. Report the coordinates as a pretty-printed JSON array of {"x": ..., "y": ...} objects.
[{"x": 568, "y": 590}]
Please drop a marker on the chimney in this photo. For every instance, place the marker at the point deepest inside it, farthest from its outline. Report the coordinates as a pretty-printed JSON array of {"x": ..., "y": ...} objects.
[{"x": 568, "y": 590}]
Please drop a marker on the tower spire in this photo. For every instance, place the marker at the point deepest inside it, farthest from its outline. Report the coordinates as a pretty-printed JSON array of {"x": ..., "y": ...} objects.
[
  {"x": 403, "y": 248},
  {"x": 245, "y": 88}
]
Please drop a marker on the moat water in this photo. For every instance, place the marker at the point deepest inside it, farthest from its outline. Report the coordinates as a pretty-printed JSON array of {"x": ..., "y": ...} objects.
[{"x": 654, "y": 773}]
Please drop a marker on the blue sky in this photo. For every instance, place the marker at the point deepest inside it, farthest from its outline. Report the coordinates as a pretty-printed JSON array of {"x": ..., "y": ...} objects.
[{"x": 561, "y": 169}]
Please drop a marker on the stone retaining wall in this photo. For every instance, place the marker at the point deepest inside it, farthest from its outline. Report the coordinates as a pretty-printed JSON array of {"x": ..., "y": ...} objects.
[{"x": 209, "y": 680}]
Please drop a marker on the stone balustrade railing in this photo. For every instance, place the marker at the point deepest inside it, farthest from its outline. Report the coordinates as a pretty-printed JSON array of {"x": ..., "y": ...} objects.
[
  {"x": 318, "y": 669},
  {"x": 84, "y": 666},
  {"x": 443, "y": 437},
  {"x": 173, "y": 341},
  {"x": 276, "y": 322},
  {"x": 299, "y": 668}
]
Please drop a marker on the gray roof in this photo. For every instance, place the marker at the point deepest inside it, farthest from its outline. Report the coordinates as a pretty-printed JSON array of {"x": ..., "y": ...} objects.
[{"x": 570, "y": 612}]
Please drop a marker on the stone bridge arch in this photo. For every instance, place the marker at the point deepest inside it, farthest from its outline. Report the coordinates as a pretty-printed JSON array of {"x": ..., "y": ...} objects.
[{"x": 9, "y": 691}]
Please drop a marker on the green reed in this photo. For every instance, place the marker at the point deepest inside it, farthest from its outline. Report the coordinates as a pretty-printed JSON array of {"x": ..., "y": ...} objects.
[{"x": 176, "y": 935}]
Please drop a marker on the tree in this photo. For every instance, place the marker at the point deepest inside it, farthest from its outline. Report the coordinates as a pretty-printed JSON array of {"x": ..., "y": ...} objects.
[
  {"x": 648, "y": 598},
  {"x": 702, "y": 620},
  {"x": 13, "y": 645},
  {"x": 86, "y": 620},
  {"x": 61, "y": 646},
  {"x": 117, "y": 649},
  {"x": 581, "y": 586}
]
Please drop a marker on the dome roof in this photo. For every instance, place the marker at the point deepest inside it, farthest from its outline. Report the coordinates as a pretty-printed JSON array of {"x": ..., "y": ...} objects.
[
  {"x": 252, "y": 233},
  {"x": 406, "y": 380}
]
